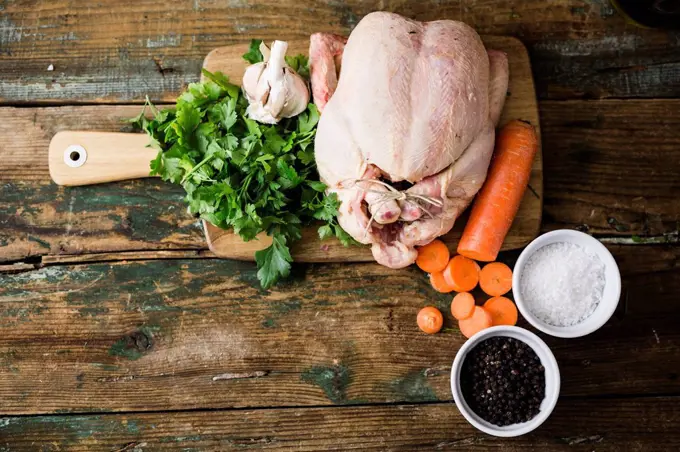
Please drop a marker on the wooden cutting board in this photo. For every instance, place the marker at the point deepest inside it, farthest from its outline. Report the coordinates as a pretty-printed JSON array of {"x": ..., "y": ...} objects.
[
  {"x": 88, "y": 157},
  {"x": 520, "y": 104}
]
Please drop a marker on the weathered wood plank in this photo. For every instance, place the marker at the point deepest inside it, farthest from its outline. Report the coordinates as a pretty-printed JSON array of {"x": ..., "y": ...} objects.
[
  {"x": 17, "y": 267},
  {"x": 624, "y": 64},
  {"x": 133, "y": 48},
  {"x": 44, "y": 219},
  {"x": 609, "y": 165},
  {"x": 580, "y": 425},
  {"x": 612, "y": 167},
  {"x": 38, "y": 217},
  {"x": 25, "y": 134},
  {"x": 153, "y": 335},
  {"x": 123, "y": 256}
]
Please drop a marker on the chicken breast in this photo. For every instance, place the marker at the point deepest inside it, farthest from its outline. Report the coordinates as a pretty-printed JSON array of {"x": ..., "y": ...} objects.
[{"x": 416, "y": 104}]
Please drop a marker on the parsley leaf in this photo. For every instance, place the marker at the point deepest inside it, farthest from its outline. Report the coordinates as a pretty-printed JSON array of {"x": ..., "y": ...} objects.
[
  {"x": 188, "y": 118},
  {"x": 317, "y": 186},
  {"x": 254, "y": 55},
  {"x": 223, "y": 82},
  {"x": 306, "y": 156},
  {"x": 237, "y": 173},
  {"x": 225, "y": 113},
  {"x": 156, "y": 164},
  {"x": 300, "y": 64},
  {"x": 308, "y": 119},
  {"x": 274, "y": 142},
  {"x": 326, "y": 231},
  {"x": 273, "y": 261},
  {"x": 328, "y": 209},
  {"x": 343, "y": 236},
  {"x": 288, "y": 177}
]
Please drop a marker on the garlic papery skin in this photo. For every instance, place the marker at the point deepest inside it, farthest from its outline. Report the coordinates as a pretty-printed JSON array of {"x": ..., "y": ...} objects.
[{"x": 273, "y": 89}]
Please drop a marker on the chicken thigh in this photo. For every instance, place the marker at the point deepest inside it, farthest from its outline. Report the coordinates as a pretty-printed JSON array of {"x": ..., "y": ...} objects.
[{"x": 416, "y": 104}]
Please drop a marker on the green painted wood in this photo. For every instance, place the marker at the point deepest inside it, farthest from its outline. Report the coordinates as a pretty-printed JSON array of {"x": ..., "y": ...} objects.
[
  {"x": 200, "y": 333},
  {"x": 575, "y": 425},
  {"x": 37, "y": 217}
]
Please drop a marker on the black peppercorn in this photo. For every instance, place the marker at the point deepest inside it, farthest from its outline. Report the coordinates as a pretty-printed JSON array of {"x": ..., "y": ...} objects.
[{"x": 513, "y": 391}]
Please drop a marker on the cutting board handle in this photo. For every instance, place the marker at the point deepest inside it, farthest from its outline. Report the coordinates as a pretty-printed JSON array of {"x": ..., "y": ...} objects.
[{"x": 84, "y": 158}]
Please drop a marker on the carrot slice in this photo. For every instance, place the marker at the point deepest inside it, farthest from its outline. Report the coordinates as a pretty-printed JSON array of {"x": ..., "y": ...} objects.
[
  {"x": 463, "y": 305},
  {"x": 498, "y": 201},
  {"x": 479, "y": 320},
  {"x": 433, "y": 257},
  {"x": 462, "y": 273},
  {"x": 502, "y": 310},
  {"x": 495, "y": 279},
  {"x": 439, "y": 283},
  {"x": 430, "y": 320}
]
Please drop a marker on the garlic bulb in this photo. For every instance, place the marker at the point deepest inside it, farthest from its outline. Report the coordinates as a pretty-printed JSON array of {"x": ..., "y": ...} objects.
[{"x": 273, "y": 89}]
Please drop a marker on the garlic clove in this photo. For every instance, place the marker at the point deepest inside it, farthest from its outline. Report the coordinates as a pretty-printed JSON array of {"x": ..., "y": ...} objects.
[
  {"x": 264, "y": 50},
  {"x": 278, "y": 95},
  {"x": 297, "y": 103},
  {"x": 251, "y": 77},
  {"x": 272, "y": 88}
]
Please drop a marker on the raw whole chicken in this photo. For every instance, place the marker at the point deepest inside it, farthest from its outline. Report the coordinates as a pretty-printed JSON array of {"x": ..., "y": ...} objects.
[{"x": 406, "y": 138}]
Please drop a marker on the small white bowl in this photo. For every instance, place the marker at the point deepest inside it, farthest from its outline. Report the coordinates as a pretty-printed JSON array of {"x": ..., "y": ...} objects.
[
  {"x": 552, "y": 381},
  {"x": 610, "y": 295}
]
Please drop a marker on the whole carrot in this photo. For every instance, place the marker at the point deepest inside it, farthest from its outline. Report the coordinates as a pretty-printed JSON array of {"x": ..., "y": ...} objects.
[{"x": 496, "y": 204}]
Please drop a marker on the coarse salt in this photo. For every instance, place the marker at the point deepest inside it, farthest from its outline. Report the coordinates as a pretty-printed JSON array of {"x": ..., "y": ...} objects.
[{"x": 562, "y": 283}]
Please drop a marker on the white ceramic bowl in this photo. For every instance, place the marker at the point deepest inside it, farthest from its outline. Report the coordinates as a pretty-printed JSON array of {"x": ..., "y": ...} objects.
[
  {"x": 610, "y": 296},
  {"x": 552, "y": 381}
]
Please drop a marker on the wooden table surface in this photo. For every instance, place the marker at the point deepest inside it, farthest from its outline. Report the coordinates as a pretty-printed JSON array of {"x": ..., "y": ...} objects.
[{"x": 120, "y": 332}]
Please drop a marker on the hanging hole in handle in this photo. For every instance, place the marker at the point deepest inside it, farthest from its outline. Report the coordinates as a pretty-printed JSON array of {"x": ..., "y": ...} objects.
[{"x": 75, "y": 156}]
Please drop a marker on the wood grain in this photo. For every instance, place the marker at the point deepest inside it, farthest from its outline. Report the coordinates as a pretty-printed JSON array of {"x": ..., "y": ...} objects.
[
  {"x": 575, "y": 425},
  {"x": 102, "y": 335},
  {"x": 132, "y": 48},
  {"x": 627, "y": 64},
  {"x": 124, "y": 256},
  {"x": 520, "y": 104},
  {"x": 25, "y": 135},
  {"x": 153, "y": 335},
  {"x": 40, "y": 218},
  {"x": 610, "y": 168},
  {"x": 98, "y": 157}
]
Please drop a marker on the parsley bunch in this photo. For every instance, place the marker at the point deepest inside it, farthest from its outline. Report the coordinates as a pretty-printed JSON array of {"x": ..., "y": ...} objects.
[{"x": 242, "y": 174}]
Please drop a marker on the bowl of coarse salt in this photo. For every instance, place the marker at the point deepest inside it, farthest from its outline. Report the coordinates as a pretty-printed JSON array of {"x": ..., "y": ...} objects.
[{"x": 566, "y": 283}]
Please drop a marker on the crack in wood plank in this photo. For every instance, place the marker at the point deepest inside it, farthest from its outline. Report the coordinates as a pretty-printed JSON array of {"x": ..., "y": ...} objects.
[{"x": 240, "y": 375}]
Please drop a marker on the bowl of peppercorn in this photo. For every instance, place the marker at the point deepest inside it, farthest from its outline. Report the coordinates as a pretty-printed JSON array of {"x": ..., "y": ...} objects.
[{"x": 505, "y": 381}]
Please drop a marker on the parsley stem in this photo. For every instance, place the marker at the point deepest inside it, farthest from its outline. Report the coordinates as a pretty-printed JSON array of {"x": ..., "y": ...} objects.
[
  {"x": 195, "y": 168},
  {"x": 244, "y": 186}
]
